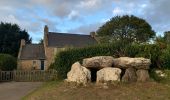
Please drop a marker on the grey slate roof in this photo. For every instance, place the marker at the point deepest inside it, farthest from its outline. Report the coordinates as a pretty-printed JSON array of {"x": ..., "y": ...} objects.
[
  {"x": 32, "y": 52},
  {"x": 73, "y": 40}
]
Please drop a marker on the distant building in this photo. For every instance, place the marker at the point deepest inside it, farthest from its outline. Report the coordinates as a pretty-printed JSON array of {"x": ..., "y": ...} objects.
[{"x": 40, "y": 56}]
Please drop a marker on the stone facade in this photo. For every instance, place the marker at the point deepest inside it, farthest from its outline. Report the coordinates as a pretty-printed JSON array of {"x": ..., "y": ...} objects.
[
  {"x": 49, "y": 55},
  {"x": 30, "y": 65}
]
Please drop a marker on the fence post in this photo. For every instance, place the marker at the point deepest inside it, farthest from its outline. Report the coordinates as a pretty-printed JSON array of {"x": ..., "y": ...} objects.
[
  {"x": 0, "y": 76},
  {"x": 14, "y": 75}
]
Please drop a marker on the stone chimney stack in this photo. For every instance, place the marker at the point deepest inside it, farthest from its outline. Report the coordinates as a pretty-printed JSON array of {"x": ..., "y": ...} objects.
[
  {"x": 21, "y": 46},
  {"x": 92, "y": 34},
  {"x": 22, "y": 42},
  {"x": 46, "y": 35},
  {"x": 46, "y": 29}
]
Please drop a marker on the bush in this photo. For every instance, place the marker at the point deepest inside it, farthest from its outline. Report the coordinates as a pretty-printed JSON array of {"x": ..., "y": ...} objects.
[
  {"x": 65, "y": 59},
  {"x": 165, "y": 58},
  {"x": 150, "y": 51},
  {"x": 7, "y": 62},
  {"x": 160, "y": 79}
]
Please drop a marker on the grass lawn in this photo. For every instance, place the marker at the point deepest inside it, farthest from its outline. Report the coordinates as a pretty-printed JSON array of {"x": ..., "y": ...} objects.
[{"x": 58, "y": 90}]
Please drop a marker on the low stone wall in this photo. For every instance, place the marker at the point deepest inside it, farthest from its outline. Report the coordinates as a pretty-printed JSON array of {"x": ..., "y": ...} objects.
[{"x": 124, "y": 69}]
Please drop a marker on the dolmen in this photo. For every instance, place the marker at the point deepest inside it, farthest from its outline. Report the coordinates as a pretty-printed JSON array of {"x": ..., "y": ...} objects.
[{"x": 110, "y": 69}]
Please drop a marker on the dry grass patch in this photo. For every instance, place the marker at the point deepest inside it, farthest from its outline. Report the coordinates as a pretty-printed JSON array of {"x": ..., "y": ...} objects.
[{"x": 119, "y": 91}]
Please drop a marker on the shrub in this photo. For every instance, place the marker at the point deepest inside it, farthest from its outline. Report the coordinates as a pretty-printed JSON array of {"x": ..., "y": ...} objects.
[
  {"x": 150, "y": 51},
  {"x": 164, "y": 79},
  {"x": 165, "y": 58},
  {"x": 65, "y": 59},
  {"x": 7, "y": 62}
]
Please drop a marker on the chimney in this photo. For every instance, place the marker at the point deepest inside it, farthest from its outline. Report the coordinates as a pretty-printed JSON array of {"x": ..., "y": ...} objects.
[
  {"x": 22, "y": 42},
  {"x": 21, "y": 46},
  {"x": 45, "y": 35},
  {"x": 92, "y": 34},
  {"x": 46, "y": 29}
]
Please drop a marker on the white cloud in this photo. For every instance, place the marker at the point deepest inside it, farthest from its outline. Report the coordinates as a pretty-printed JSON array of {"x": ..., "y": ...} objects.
[
  {"x": 23, "y": 24},
  {"x": 117, "y": 11},
  {"x": 73, "y": 15},
  {"x": 144, "y": 5},
  {"x": 88, "y": 3},
  {"x": 10, "y": 18},
  {"x": 86, "y": 29}
]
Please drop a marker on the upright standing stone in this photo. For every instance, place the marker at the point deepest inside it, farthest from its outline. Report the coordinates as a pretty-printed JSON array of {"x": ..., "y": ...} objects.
[
  {"x": 78, "y": 74},
  {"x": 142, "y": 75},
  {"x": 108, "y": 74},
  {"x": 130, "y": 75}
]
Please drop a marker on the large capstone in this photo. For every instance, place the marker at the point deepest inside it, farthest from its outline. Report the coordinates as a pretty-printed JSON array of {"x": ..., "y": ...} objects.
[
  {"x": 127, "y": 62},
  {"x": 98, "y": 62},
  {"x": 79, "y": 74},
  {"x": 108, "y": 74}
]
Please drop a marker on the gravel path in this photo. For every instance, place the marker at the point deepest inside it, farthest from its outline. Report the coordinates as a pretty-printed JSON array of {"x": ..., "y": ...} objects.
[{"x": 17, "y": 90}]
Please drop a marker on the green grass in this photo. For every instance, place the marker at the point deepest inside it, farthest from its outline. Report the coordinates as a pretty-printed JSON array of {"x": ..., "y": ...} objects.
[{"x": 58, "y": 90}]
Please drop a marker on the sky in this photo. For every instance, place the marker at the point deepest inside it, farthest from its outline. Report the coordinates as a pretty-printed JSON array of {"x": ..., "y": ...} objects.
[{"x": 81, "y": 16}]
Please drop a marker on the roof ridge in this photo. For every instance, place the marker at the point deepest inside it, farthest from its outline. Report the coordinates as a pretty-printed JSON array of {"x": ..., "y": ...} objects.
[
  {"x": 64, "y": 33},
  {"x": 34, "y": 44}
]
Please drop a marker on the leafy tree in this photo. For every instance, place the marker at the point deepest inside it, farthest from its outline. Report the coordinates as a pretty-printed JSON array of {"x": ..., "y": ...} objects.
[
  {"x": 161, "y": 42},
  {"x": 41, "y": 41},
  {"x": 10, "y": 37},
  {"x": 126, "y": 28},
  {"x": 167, "y": 37}
]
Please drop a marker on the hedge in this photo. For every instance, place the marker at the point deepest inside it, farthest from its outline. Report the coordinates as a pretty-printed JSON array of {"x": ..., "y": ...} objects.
[
  {"x": 165, "y": 58},
  {"x": 7, "y": 62},
  {"x": 65, "y": 59}
]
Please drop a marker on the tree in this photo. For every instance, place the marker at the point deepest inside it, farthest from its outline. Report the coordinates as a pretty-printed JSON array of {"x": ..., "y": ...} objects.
[
  {"x": 126, "y": 28},
  {"x": 163, "y": 41},
  {"x": 10, "y": 37},
  {"x": 41, "y": 41},
  {"x": 167, "y": 37}
]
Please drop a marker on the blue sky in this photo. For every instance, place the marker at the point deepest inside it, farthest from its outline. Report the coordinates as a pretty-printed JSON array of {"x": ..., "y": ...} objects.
[{"x": 81, "y": 16}]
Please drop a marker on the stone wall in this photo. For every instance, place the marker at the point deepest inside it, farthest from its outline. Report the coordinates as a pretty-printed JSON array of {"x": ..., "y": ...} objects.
[{"x": 49, "y": 52}]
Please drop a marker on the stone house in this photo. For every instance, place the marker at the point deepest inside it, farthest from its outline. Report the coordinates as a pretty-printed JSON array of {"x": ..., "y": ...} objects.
[{"x": 40, "y": 56}]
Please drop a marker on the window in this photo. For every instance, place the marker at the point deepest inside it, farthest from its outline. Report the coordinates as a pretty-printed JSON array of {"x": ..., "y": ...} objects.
[{"x": 33, "y": 65}]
